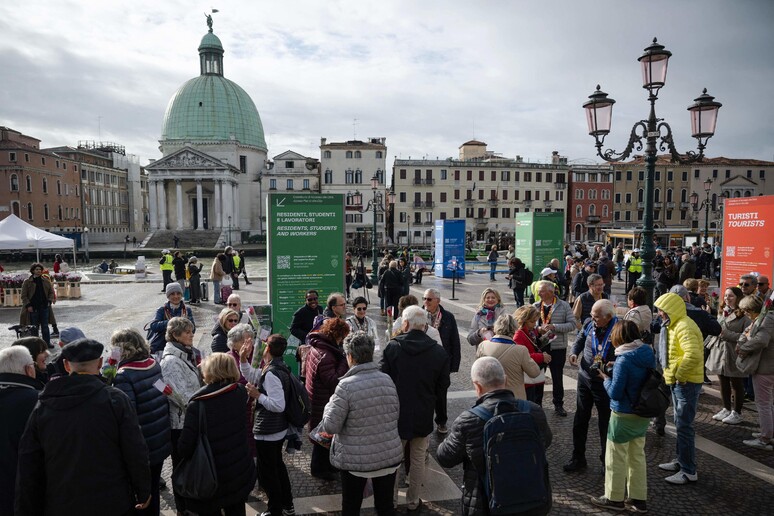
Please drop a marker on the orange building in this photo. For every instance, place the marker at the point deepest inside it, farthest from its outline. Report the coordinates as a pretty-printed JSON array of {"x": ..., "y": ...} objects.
[{"x": 37, "y": 186}]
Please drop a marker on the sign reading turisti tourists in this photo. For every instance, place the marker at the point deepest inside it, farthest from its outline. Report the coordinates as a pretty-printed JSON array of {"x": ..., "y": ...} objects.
[{"x": 748, "y": 238}]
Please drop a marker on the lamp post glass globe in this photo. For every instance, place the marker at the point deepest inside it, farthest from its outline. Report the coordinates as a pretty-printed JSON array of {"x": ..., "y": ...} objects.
[
  {"x": 654, "y": 62},
  {"x": 599, "y": 113},
  {"x": 704, "y": 115}
]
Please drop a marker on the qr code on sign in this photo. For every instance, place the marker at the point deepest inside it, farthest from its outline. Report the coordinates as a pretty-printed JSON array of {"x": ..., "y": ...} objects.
[
  {"x": 283, "y": 262},
  {"x": 731, "y": 250}
]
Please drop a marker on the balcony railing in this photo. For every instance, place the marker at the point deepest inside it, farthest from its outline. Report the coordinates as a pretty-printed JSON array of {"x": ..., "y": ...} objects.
[
  {"x": 428, "y": 204},
  {"x": 429, "y": 181},
  {"x": 685, "y": 205},
  {"x": 560, "y": 186},
  {"x": 417, "y": 204},
  {"x": 417, "y": 180},
  {"x": 592, "y": 219},
  {"x": 670, "y": 205},
  {"x": 469, "y": 202},
  {"x": 481, "y": 220}
]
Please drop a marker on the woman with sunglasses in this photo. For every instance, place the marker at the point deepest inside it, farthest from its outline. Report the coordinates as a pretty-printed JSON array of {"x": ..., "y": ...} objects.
[
  {"x": 227, "y": 319},
  {"x": 361, "y": 322}
]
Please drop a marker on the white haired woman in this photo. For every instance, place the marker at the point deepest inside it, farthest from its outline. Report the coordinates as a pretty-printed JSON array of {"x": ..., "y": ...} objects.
[
  {"x": 136, "y": 373},
  {"x": 515, "y": 359},
  {"x": 366, "y": 443}
]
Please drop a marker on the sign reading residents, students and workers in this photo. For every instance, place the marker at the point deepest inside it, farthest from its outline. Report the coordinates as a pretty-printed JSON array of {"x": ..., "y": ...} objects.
[
  {"x": 748, "y": 238},
  {"x": 305, "y": 251}
]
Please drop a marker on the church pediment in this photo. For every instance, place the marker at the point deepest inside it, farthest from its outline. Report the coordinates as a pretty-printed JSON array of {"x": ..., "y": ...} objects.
[
  {"x": 189, "y": 159},
  {"x": 738, "y": 181}
]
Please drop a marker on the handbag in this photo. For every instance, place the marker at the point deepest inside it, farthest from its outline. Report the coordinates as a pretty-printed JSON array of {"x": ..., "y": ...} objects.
[
  {"x": 749, "y": 364},
  {"x": 226, "y": 281},
  {"x": 196, "y": 477}
]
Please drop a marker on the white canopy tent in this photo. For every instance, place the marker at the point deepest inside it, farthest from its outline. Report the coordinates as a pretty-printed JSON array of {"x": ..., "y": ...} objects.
[{"x": 17, "y": 234}]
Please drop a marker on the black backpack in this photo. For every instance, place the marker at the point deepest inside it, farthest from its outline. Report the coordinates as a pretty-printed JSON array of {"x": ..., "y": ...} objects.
[
  {"x": 654, "y": 396},
  {"x": 529, "y": 277},
  {"x": 516, "y": 470},
  {"x": 297, "y": 406}
]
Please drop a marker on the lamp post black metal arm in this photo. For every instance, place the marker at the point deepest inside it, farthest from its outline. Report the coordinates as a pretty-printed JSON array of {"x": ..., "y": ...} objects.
[{"x": 656, "y": 134}]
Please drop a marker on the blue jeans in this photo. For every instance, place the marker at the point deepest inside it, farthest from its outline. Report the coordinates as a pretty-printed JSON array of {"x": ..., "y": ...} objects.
[
  {"x": 685, "y": 398},
  {"x": 215, "y": 291},
  {"x": 39, "y": 317},
  {"x": 492, "y": 267}
]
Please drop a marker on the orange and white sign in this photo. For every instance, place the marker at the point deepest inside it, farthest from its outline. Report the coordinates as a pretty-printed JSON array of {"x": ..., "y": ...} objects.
[{"x": 748, "y": 238}]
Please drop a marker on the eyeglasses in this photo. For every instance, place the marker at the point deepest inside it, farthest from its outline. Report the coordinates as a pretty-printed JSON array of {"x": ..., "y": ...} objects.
[
  {"x": 763, "y": 283},
  {"x": 744, "y": 284},
  {"x": 233, "y": 304},
  {"x": 311, "y": 299},
  {"x": 361, "y": 308},
  {"x": 232, "y": 320},
  {"x": 428, "y": 299}
]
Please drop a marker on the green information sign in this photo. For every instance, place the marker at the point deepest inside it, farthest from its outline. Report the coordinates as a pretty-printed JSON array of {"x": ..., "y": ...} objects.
[
  {"x": 539, "y": 239},
  {"x": 305, "y": 251}
]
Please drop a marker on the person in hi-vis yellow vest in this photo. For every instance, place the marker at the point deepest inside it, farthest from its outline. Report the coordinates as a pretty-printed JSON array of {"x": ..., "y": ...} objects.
[{"x": 166, "y": 268}]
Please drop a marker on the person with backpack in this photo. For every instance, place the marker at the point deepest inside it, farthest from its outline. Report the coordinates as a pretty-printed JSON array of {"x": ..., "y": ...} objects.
[
  {"x": 271, "y": 390},
  {"x": 625, "y": 464},
  {"x": 519, "y": 487}
]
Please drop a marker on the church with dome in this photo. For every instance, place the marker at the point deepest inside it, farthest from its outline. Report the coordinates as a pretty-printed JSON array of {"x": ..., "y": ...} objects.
[{"x": 214, "y": 152}]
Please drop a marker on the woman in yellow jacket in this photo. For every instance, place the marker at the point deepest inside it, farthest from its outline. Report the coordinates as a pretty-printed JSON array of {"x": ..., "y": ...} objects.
[{"x": 680, "y": 349}]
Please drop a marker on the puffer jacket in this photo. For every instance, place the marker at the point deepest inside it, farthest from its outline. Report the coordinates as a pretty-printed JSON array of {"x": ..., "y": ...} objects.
[
  {"x": 136, "y": 379},
  {"x": 219, "y": 339},
  {"x": 465, "y": 445},
  {"x": 631, "y": 366},
  {"x": 183, "y": 376},
  {"x": 225, "y": 408},
  {"x": 158, "y": 328},
  {"x": 641, "y": 316},
  {"x": 325, "y": 365},
  {"x": 686, "y": 345},
  {"x": 564, "y": 320},
  {"x": 583, "y": 348},
  {"x": 363, "y": 416},
  {"x": 762, "y": 341}
]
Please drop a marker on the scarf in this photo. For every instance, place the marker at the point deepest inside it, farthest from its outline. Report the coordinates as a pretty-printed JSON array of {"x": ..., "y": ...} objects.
[
  {"x": 629, "y": 346},
  {"x": 190, "y": 356},
  {"x": 434, "y": 320},
  {"x": 488, "y": 314},
  {"x": 663, "y": 344}
]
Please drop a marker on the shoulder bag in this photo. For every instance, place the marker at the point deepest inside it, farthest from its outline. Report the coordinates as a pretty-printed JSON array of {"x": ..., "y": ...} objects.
[{"x": 196, "y": 477}]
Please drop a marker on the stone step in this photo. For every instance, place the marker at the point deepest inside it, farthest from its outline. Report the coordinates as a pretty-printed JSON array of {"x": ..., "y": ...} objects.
[{"x": 207, "y": 238}]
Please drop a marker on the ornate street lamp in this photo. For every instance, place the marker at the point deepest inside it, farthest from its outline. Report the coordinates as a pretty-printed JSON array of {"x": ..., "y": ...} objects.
[
  {"x": 375, "y": 205},
  {"x": 599, "y": 111},
  {"x": 704, "y": 205}
]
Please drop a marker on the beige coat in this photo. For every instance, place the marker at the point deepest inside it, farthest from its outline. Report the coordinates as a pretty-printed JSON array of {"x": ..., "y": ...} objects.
[
  {"x": 722, "y": 349},
  {"x": 515, "y": 360},
  {"x": 216, "y": 272},
  {"x": 27, "y": 291}
]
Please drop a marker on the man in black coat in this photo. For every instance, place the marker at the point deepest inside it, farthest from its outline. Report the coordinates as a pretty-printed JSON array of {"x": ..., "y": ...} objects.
[
  {"x": 465, "y": 442},
  {"x": 82, "y": 451},
  {"x": 420, "y": 370},
  {"x": 443, "y": 321},
  {"x": 18, "y": 395},
  {"x": 303, "y": 318}
]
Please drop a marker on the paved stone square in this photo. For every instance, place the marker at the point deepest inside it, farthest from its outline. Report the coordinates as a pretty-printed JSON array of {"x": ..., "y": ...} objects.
[{"x": 733, "y": 479}]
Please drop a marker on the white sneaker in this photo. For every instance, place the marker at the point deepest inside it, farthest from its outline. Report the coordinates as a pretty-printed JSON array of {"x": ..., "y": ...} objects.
[
  {"x": 733, "y": 418},
  {"x": 756, "y": 435},
  {"x": 723, "y": 414},
  {"x": 681, "y": 477},
  {"x": 757, "y": 443},
  {"x": 670, "y": 466}
]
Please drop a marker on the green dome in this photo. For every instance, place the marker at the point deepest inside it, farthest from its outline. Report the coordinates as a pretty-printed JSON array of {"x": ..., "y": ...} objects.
[
  {"x": 211, "y": 107},
  {"x": 211, "y": 42}
]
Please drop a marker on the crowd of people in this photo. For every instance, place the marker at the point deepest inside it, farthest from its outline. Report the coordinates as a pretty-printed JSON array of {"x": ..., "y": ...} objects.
[{"x": 158, "y": 397}]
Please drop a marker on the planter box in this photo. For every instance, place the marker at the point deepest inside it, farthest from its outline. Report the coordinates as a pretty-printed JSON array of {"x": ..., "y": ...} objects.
[
  {"x": 61, "y": 290},
  {"x": 11, "y": 297},
  {"x": 74, "y": 290}
]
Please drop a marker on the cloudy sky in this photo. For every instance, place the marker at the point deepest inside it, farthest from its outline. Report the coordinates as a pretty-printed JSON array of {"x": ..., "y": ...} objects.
[{"x": 427, "y": 75}]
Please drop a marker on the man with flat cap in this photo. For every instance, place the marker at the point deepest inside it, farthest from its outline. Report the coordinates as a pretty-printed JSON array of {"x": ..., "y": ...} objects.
[{"x": 82, "y": 451}]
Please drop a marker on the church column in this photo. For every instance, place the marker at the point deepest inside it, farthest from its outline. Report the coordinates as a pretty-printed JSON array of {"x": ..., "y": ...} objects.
[
  {"x": 199, "y": 206},
  {"x": 162, "y": 191},
  {"x": 228, "y": 202},
  {"x": 179, "y": 192},
  {"x": 235, "y": 204},
  {"x": 218, "y": 219},
  {"x": 153, "y": 205}
]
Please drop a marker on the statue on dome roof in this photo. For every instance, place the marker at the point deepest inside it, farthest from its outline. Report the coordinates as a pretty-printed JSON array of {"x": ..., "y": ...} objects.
[{"x": 209, "y": 20}]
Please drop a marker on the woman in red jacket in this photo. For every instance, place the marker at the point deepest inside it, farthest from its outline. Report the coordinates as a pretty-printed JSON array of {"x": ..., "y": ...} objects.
[
  {"x": 323, "y": 366},
  {"x": 527, "y": 335}
]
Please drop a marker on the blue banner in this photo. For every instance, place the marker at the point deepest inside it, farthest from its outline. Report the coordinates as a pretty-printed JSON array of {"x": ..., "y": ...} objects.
[{"x": 449, "y": 248}]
